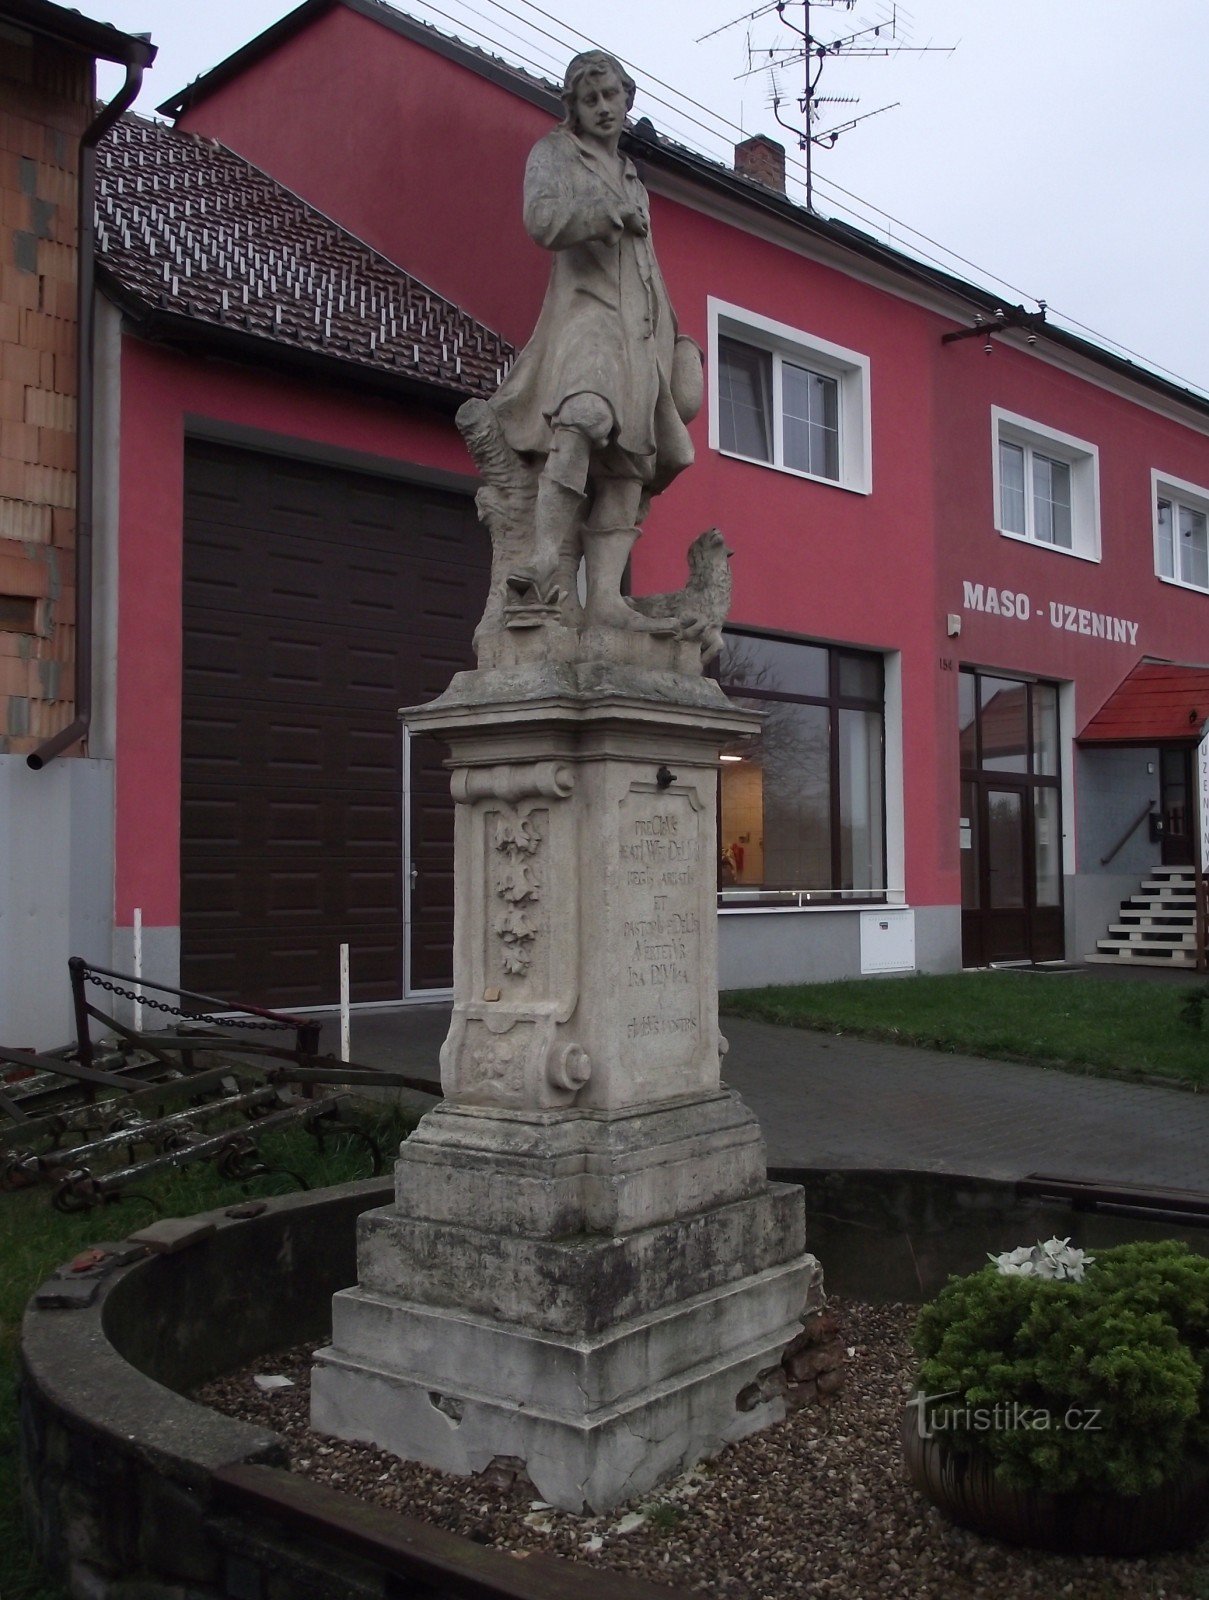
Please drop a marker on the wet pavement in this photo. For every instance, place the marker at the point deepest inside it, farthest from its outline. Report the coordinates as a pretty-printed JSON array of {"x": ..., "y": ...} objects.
[{"x": 834, "y": 1101}]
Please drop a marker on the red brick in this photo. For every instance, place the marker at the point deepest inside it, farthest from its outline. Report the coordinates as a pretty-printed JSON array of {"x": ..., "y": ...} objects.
[
  {"x": 21, "y": 575},
  {"x": 19, "y": 442},
  {"x": 38, "y": 331},
  {"x": 13, "y": 396},
  {"x": 58, "y": 186},
  {"x": 18, "y": 288},
  {"x": 46, "y": 409},
  {"x": 10, "y": 324},
  {"x": 59, "y": 299},
  {"x": 50, "y": 486},
  {"x": 26, "y": 135},
  {"x": 19, "y": 365},
  {"x": 57, "y": 448},
  {"x": 17, "y": 676},
  {"x": 62, "y": 376},
  {"x": 25, "y": 523},
  {"x": 63, "y": 643},
  {"x": 807, "y": 1364},
  {"x": 57, "y": 260},
  {"x": 12, "y": 479},
  {"x": 14, "y": 209}
]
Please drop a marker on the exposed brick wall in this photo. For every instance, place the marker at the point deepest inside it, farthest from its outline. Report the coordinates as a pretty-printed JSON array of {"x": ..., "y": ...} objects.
[{"x": 46, "y": 101}]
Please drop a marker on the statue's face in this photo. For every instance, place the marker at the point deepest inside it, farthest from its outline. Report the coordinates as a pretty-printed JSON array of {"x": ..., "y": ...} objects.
[{"x": 600, "y": 106}]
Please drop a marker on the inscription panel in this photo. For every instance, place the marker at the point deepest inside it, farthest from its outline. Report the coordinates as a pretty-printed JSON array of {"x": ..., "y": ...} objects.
[{"x": 659, "y": 970}]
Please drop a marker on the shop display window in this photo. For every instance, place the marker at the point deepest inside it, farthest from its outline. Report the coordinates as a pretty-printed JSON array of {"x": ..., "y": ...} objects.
[{"x": 802, "y": 812}]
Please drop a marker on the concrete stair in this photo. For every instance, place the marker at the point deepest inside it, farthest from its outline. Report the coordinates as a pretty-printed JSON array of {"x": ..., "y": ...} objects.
[{"x": 1157, "y": 926}]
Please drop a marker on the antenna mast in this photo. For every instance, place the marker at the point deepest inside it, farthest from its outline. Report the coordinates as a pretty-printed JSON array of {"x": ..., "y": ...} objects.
[{"x": 878, "y": 38}]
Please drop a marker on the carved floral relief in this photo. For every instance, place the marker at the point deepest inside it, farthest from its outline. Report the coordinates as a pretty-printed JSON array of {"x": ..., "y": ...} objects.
[{"x": 517, "y": 841}]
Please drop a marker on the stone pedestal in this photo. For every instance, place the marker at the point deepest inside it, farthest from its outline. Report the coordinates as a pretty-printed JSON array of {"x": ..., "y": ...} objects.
[{"x": 585, "y": 1267}]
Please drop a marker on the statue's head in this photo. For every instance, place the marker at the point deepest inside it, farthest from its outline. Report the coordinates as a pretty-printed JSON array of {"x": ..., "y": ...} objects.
[{"x": 593, "y": 64}]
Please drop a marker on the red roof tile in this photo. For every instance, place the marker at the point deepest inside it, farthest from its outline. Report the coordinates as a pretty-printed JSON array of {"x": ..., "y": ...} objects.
[
  {"x": 1156, "y": 704},
  {"x": 194, "y": 232}
]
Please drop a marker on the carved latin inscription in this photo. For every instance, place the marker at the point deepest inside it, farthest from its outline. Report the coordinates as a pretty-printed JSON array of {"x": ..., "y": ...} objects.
[{"x": 661, "y": 929}]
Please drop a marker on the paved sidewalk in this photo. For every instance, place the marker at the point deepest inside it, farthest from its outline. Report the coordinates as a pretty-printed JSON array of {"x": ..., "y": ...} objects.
[{"x": 827, "y": 1101}]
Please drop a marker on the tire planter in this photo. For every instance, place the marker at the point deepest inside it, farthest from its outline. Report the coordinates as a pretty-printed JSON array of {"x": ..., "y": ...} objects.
[{"x": 967, "y": 1488}]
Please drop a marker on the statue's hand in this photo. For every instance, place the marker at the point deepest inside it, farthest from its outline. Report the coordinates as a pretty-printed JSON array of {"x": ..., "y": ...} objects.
[{"x": 635, "y": 220}]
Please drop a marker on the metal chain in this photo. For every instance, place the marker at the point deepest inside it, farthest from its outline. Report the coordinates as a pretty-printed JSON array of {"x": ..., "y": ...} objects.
[{"x": 177, "y": 1011}]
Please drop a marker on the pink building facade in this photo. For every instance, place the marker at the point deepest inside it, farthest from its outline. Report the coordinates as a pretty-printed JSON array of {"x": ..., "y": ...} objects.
[{"x": 947, "y": 558}]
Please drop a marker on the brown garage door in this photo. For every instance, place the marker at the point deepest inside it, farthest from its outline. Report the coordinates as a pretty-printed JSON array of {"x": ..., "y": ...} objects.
[{"x": 317, "y": 601}]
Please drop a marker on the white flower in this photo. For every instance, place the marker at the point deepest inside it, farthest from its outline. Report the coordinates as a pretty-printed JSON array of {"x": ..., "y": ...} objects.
[
  {"x": 1012, "y": 1261},
  {"x": 1051, "y": 1258}
]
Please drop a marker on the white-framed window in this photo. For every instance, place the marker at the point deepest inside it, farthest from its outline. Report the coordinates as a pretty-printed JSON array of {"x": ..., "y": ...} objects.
[
  {"x": 1181, "y": 531},
  {"x": 1047, "y": 486},
  {"x": 803, "y": 806},
  {"x": 787, "y": 399}
]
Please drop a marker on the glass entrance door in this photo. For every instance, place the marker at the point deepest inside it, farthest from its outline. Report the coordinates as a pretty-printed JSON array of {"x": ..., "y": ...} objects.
[
  {"x": 1006, "y": 869},
  {"x": 1175, "y": 802},
  {"x": 1011, "y": 834}
]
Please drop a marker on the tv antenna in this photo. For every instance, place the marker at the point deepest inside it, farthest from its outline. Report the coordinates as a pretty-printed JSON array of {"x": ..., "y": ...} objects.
[{"x": 877, "y": 38}]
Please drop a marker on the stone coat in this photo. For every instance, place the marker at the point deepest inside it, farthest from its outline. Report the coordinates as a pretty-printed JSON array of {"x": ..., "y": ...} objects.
[{"x": 606, "y": 326}]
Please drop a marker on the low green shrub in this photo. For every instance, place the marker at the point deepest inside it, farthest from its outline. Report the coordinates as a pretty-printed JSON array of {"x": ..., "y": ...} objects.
[{"x": 1099, "y": 1383}]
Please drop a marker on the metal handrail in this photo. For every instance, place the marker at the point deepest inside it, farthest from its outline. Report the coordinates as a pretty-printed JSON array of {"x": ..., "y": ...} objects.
[{"x": 1141, "y": 816}]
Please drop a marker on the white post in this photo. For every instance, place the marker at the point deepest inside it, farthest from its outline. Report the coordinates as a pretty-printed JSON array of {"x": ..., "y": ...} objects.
[
  {"x": 138, "y": 969},
  {"x": 344, "y": 1018}
]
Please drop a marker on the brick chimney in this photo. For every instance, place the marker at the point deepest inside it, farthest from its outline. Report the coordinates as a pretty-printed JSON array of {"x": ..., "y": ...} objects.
[{"x": 763, "y": 159}]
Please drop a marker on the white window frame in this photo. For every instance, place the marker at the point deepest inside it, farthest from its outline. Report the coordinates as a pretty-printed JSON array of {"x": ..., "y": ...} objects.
[
  {"x": 1083, "y": 459},
  {"x": 849, "y": 367},
  {"x": 1180, "y": 493}
]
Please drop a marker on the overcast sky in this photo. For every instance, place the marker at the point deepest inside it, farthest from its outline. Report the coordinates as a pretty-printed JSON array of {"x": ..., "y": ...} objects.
[{"x": 1058, "y": 153}]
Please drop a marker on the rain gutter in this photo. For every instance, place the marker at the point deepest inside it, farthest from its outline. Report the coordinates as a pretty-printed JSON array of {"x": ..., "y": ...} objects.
[{"x": 142, "y": 53}]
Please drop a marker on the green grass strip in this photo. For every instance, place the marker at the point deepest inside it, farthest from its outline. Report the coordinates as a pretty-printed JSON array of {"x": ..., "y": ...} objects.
[{"x": 1120, "y": 1028}]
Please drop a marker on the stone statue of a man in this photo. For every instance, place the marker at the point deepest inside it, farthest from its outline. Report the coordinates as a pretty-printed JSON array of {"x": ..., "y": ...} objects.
[{"x": 603, "y": 390}]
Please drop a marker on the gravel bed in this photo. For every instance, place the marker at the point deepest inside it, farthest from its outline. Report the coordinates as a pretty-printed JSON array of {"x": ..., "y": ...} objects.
[{"x": 818, "y": 1505}]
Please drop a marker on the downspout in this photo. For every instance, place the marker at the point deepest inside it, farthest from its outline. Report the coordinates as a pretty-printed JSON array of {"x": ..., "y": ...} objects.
[{"x": 77, "y": 729}]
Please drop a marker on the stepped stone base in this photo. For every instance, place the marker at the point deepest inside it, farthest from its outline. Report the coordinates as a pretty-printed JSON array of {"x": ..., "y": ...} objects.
[
  {"x": 596, "y": 1419},
  {"x": 598, "y": 1295}
]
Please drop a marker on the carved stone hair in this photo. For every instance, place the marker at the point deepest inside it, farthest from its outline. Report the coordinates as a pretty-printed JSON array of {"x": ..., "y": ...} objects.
[{"x": 594, "y": 64}]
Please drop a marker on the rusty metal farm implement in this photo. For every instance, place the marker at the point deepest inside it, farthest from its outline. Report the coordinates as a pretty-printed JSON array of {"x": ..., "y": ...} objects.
[{"x": 98, "y": 1117}]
